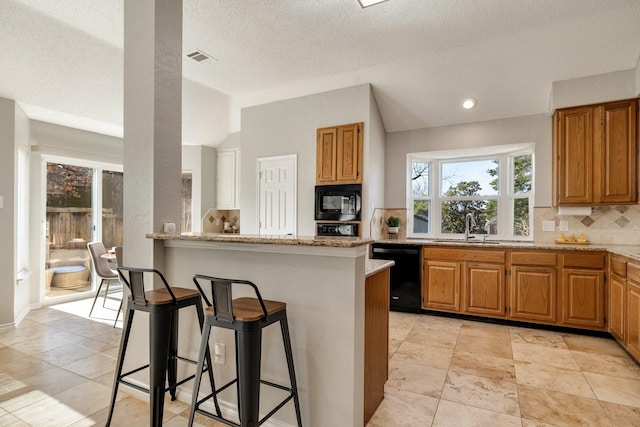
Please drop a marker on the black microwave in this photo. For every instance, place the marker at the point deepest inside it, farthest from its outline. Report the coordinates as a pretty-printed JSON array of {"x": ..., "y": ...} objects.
[{"x": 338, "y": 202}]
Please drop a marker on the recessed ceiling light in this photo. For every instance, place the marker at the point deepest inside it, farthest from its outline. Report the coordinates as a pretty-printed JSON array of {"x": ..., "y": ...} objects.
[
  {"x": 367, "y": 3},
  {"x": 469, "y": 103}
]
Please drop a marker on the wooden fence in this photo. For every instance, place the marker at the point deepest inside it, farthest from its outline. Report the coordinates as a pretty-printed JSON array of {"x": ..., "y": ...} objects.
[{"x": 70, "y": 228}]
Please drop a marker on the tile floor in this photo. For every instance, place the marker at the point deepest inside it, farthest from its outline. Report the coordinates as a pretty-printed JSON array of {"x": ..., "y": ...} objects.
[
  {"x": 56, "y": 369},
  {"x": 452, "y": 372}
]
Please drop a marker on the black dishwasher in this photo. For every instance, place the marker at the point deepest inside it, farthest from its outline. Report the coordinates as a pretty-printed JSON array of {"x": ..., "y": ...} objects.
[{"x": 406, "y": 274}]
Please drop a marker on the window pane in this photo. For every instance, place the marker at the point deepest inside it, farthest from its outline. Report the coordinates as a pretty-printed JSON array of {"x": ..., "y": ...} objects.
[
  {"x": 454, "y": 213},
  {"x": 479, "y": 177},
  {"x": 521, "y": 217},
  {"x": 69, "y": 192},
  {"x": 522, "y": 174},
  {"x": 489, "y": 218},
  {"x": 419, "y": 178},
  {"x": 421, "y": 216},
  {"x": 112, "y": 191}
]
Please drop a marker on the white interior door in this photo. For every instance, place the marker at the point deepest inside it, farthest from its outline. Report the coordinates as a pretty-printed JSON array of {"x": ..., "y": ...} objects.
[{"x": 277, "y": 194}]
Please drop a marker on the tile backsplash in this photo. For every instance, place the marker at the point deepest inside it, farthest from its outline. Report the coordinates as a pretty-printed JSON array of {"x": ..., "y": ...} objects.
[
  {"x": 378, "y": 226},
  {"x": 213, "y": 221},
  {"x": 613, "y": 225}
]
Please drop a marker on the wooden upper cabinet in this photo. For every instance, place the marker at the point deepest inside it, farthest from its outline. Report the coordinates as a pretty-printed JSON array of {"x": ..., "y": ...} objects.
[
  {"x": 339, "y": 155},
  {"x": 595, "y": 154},
  {"x": 617, "y": 152},
  {"x": 326, "y": 155},
  {"x": 574, "y": 155}
]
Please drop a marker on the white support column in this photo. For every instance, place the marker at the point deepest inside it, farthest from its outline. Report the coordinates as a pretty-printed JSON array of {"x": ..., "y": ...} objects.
[{"x": 152, "y": 124}]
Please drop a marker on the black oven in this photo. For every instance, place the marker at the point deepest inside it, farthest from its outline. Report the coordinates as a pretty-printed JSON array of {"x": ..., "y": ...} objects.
[
  {"x": 338, "y": 202},
  {"x": 336, "y": 229}
]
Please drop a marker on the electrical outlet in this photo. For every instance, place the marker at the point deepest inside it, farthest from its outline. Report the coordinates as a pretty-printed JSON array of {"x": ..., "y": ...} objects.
[
  {"x": 219, "y": 353},
  {"x": 548, "y": 226},
  {"x": 564, "y": 225}
]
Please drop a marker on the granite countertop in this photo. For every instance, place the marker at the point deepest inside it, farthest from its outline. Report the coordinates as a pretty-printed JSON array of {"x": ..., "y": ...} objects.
[
  {"x": 373, "y": 266},
  {"x": 335, "y": 242},
  {"x": 630, "y": 251}
]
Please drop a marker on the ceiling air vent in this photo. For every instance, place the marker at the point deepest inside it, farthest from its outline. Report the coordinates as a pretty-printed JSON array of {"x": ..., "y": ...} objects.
[{"x": 200, "y": 56}]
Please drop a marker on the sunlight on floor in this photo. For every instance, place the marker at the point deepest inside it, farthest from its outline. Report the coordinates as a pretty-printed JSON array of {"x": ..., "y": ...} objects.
[{"x": 104, "y": 314}]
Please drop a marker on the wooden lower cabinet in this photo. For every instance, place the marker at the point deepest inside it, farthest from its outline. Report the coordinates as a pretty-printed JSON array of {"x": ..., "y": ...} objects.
[
  {"x": 583, "y": 290},
  {"x": 533, "y": 294},
  {"x": 583, "y": 296},
  {"x": 617, "y": 309},
  {"x": 376, "y": 340},
  {"x": 441, "y": 285},
  {"x": 484, "y": 290},
  {"x": 633, "y": 319}
]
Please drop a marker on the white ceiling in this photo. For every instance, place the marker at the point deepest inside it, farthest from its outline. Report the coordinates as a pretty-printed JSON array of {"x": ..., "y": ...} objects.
[{"x": 62, "y": 60}]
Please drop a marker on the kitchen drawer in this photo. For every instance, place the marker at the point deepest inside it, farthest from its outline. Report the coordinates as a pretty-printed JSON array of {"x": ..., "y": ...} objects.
[
  {"x": 618, "y": 265},
  {"x": 479, "y": 255},
  {"x": 583, "y": 260},
  {"x": 633, "y": 272},
  {"x": 533, "y": 258}
]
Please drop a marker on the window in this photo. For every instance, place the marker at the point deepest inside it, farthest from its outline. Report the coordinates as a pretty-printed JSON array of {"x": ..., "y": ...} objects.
[{"x": 494, "y": 185}]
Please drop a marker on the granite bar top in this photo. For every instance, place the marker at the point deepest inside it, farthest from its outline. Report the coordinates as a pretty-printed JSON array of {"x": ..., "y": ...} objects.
[
  {"x": 630, "y": 251},
  {"x": 334, "y": 242},
  {"x": 373, "y": 266}
]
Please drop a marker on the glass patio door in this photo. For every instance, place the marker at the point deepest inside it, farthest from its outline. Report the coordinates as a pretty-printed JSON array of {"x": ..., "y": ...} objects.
[{"x": 77, "y": 195}]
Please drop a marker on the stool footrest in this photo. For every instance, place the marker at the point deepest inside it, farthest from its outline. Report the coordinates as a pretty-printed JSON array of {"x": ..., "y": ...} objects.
[
  {"x": 122, "y": 378},
  {"x": 230, "y": 383}
]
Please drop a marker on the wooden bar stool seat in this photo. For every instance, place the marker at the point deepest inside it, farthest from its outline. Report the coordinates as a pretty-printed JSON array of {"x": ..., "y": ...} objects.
[
  {"x": 247, "y": 317},
  {"x": 163, "y": 306}
]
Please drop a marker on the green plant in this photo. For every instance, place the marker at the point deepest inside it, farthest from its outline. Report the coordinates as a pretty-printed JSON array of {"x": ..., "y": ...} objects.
[{"x": 393, "y": 221}]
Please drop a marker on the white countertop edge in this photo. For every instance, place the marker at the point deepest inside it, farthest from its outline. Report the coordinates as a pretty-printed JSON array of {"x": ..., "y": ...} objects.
[{"x": 353, "y": 252}]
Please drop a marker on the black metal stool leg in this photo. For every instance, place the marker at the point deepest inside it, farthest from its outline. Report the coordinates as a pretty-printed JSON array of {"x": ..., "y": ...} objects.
[
  {"x": 248, "y": 362},
  {"x": 172, "y": 368},
  {"x": 124, "y": 339},
  {"x": 204, "y": 343},
  {"x": 159, "y": 331},
  {"x": 200, "y": 312},
  {"x": 284, "y": 327}
]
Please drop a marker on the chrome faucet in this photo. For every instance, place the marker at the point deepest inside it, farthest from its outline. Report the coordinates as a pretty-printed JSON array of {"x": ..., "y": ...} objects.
[{"x": 469, "y": 222}]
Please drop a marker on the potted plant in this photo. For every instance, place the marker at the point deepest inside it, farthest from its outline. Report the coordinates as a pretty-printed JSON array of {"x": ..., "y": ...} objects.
[{"x": 393, "y": 224}]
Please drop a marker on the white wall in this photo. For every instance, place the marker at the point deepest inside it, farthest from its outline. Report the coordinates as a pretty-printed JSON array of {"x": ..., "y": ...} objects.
[
  {"x": 637, "y": 92},
  {"x": 201, "y": 162},
  {"x": 289, "y": 127},
  {"x": 22, "y": 291},
  {"x": 374, "y": 164},
  {"x": 527, "y": 129},
  {"x": 7, "y": 234},
  {"x": 232, "y": 140},
  {"x": 593, "y": 89}
]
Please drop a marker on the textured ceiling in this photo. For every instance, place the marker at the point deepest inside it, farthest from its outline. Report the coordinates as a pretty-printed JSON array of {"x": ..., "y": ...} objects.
[{"x": 62, "y": 60}]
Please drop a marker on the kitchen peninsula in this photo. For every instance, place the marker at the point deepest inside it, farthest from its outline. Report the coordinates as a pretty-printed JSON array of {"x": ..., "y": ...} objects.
[{"x": 322, "y": 281}]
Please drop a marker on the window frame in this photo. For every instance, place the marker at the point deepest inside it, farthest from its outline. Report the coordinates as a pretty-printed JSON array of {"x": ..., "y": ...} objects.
[{"x": 505, "y": 155}]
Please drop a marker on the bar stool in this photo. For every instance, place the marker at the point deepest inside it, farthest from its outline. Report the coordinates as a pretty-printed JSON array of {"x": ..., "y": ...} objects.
[
  {"x": 163, "y": 306},
  {"x": 247, "y": 317}
]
